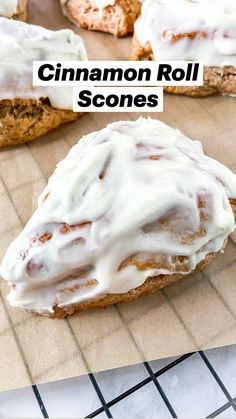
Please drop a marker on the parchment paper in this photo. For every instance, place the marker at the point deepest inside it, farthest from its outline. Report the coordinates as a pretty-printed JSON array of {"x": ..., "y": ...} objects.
[{"x": 199, "y": 312}]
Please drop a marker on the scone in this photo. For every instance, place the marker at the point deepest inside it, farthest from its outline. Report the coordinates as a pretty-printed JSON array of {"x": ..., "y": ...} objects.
[
  {"x": 114, "y": 16},
  {"x": 200, "y": 30},
  {"x": 26, "y": 111},
  {"x": 14, "y": 9},
  {"x": 132, "y": 208}
]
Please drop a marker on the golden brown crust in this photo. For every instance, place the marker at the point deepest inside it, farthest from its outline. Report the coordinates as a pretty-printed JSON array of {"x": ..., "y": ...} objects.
[
  {"x": 21, "y": 13},
  {"x": 140, "y": 52},
  {"x": 150, "y": 286},
  {"x": 117, "y": 20},
  {"x": 21, "y": 10},
  {"x": 23, "y": 120},
  {"x": 217, "y": 80}
]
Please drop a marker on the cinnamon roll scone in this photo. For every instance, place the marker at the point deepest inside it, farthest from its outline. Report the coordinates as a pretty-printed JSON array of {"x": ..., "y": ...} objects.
[
  {"x": 26, "y": 111},
  {"x": 114, "y": 16},
  {"x": 132, "y": 208},
  {"x": 14, "y": 9},
  {"x": 200, "y": 30}
]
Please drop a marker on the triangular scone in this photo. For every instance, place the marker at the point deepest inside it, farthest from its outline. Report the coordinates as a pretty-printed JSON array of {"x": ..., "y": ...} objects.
[
  {"x": 200, "y": 30},
  {"x": 114, "y": 16},
  {"x": 14, "y": 9},
  {"x": 131, "y": 209},
  {"x": 27, "y": 112}
]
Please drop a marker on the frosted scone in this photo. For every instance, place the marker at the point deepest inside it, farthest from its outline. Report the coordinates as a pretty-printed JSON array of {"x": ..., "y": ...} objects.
[
  {"x": 114, "y": 16},
  {"x": 27, "y": 112},
  {"x": 199, "y": 30},
  {"x": 132, "y": 208},
  {"x": 15, "y": 9}
]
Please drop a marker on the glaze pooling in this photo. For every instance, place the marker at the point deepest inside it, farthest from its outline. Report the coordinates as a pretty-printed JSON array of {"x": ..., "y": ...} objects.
[
  {"x": 211, "y": 24},
  {"x": 133, "y": 188},
  {"x": 22, "y": 43}
]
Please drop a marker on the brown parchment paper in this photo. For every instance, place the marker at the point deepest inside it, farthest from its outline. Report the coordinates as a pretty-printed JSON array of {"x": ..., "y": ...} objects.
[{"x": 197, "y": 313}]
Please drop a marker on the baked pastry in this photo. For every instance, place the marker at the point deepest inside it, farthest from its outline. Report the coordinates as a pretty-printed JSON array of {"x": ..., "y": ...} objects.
[
  {"x": 200, "y": 30},
  {"x": 114, "y": 16},
  {"x": 15, "y": 9},
  {"x": 27, "y": 111},
  {"x": 131, "y": 209}
]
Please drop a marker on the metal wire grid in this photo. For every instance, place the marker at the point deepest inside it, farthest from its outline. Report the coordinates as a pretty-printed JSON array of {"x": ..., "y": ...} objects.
[{"x": 153, "y": 377}]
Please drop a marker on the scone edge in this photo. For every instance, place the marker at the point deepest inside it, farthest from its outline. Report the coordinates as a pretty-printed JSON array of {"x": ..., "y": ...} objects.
[
  {"x": 118, "y": 19},
  {"x": 24, "y": 120},
  {"x": 217, "y": 80}
]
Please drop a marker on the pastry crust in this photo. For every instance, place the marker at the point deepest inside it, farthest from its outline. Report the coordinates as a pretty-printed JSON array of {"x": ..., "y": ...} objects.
[
  {"x": 23, "y": 120},
  {"x": 118, "y": 19},
  {"x": 140, "y": 52},
  {"x": 21, "y": 10},
  {"x": 21, "y": 13},
  {"x": 150, "y": 286},
  {"x": 217, "y": 80}
]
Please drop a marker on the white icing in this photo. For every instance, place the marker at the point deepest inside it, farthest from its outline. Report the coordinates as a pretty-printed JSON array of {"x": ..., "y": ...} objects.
[
  {"x": 21, "y": 44},
  {"x": 102, "y": 4},
  {"x": 8, "y": 7},
  {"x": 215, "y": 18},
  {"x": 110, "y": 180}
]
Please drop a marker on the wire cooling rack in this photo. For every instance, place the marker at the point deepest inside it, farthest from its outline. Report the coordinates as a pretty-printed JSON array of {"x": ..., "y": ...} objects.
[{"x": 219, "y": 366}]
